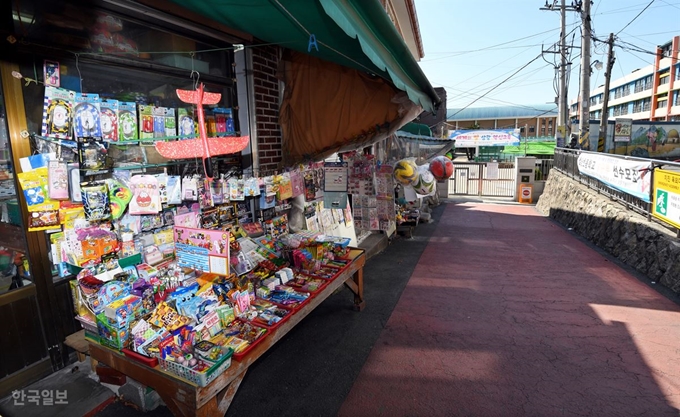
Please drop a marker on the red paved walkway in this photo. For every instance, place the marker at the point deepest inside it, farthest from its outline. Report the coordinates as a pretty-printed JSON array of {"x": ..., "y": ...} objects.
[{"x": 507, "y": 314}]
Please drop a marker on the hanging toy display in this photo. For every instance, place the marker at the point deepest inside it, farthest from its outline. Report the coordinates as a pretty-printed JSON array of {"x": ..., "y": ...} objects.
[
  {"x": 119, "y": 197},
  {"x": 204, "y": 146},
  {"x": 425, "y": 184},
  {"x": 405, "y": 171},
  {"x": 96, "y": 202},
  {"x": 441, "y": 167}
]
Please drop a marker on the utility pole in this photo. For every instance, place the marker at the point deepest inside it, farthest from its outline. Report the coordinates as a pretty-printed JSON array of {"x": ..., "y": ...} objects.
[
  {"x": 605, "y": 109},
  {"x": 562, "y": 101},
  {"x": 584, "y": 117},
  {"x": 562, "y": 107}
]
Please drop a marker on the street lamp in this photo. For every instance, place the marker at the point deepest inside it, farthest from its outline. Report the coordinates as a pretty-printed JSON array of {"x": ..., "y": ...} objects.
[{"x": 597, "y": 64}]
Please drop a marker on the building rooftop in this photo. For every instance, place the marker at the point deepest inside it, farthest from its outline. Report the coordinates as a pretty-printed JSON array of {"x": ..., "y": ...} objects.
[{"x": 502, "y": 112}]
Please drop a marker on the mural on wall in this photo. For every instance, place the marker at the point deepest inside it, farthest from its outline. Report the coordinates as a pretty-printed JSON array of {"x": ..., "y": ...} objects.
[{"x": 658, "y": 140}]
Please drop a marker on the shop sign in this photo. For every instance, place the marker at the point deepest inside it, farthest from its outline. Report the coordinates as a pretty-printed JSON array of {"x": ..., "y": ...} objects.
[
  {"x": 666, "y": 205},
  {"x": 631, "y": 177}
]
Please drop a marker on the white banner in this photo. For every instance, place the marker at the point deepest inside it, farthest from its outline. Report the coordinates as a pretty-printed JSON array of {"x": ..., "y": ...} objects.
[
  {"x": 472, "y": 138},
  {"x": 632, "y": 177}
]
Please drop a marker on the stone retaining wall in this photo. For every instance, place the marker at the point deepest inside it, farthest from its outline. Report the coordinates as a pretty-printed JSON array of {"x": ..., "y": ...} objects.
[{"x": 644, "y": 245}]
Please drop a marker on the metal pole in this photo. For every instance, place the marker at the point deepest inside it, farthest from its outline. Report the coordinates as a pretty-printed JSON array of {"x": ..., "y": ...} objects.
[
  {"x": 584, "y": 118},
  {"x": 605, "y": 109}
]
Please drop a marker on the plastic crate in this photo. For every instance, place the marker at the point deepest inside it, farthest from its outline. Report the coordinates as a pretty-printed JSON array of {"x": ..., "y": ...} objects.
[{"x": 199, "y": 378}]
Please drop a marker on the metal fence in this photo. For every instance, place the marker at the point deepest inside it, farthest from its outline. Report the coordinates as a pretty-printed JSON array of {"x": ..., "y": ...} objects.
[
  {"x": 566, "y": 162},
  {"x": 543, "y": 167},
  {"x": 475, "y": 178}
]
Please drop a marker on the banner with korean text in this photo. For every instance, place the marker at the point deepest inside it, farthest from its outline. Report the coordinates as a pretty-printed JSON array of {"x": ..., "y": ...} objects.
[
  {"x": 473, "y": 138},
  {"x": 631, "y": 177},
  {"x": 667, "y": 197}
]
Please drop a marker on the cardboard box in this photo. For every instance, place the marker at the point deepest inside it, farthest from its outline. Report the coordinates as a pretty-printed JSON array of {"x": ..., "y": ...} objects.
[
  {"x": 111, "y": 335},
  {"x": 124, "y": 310}
]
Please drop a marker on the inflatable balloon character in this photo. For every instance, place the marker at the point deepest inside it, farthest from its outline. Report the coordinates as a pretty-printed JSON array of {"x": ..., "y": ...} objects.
[{"x": 441, "y": 167}]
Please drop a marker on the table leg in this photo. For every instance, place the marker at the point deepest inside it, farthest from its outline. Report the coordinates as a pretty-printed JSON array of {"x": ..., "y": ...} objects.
[
  {"x": 358, "y": 279},
  {"x": 218, "y": 405}
]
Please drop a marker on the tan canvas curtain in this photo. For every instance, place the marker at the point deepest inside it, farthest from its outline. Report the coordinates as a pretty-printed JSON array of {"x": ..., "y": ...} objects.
[{"x": 327, "y": 107}]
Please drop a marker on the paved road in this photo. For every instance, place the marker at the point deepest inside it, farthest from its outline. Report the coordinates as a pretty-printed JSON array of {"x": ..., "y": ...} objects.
[{"x": 507, "y": 314}]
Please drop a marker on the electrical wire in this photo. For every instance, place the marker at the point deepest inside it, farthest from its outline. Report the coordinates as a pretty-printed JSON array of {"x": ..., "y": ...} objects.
[
  {"x": 491, "y": 47},
  {"x": 499, "y": 84},
  {"x": 635, "y": 18}
]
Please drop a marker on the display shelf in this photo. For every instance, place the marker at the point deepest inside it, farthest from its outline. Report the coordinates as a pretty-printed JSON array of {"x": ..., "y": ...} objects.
[{"x": 184, "y": 398}]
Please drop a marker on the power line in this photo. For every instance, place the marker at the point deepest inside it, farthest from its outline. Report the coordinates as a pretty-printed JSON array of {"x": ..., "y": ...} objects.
[
  {"x": 492, "y": 46},
  {"x": 499, "y": 84},
  {"x": 638, "y": 15}
]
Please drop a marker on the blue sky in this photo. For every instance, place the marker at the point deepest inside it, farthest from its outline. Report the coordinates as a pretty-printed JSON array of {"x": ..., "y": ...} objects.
[{"x": 454, "y": 31}]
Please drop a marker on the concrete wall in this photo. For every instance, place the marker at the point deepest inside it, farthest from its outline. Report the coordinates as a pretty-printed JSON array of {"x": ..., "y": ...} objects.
[{"x": 644, "y": 245}]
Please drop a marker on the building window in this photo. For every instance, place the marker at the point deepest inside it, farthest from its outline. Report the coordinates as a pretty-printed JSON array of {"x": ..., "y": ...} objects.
[
  {"x": 638, "y": 86},
  {"x": 646, "y": 104},
  {"x": 624, "y": 108},
  {"x": 643, "y": 84},
  {"x": 626, "y": 90},
  {"x": 550, "y": 122},
  {"x": 550, "y": 131},
  {"x": 617, "y": 111},
  {"x": 661, "y": 104},
  {"x": 521, "y": 130},
  {"x": 618, "y": 93},
  {"x": 676, "y": 100}
]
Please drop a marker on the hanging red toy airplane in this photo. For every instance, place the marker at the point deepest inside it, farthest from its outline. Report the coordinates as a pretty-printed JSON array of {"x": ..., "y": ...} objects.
[{"x": 203, "y": 146}]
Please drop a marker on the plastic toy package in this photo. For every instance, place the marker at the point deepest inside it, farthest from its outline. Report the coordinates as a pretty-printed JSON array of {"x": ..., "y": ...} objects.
[
  {"x": 92, "y": 154},
  {"x": 109, "y": 120},
  {"x": 127, "y": 121},
  {"x": 146, "y": 196},
  {"x": 57, "y": 112},
  {"x": 119, "y": 196},
  {"x": 57, "y": 179},
  {"x": 96, "y": 202},
  {"x": 86, "y": 116}
]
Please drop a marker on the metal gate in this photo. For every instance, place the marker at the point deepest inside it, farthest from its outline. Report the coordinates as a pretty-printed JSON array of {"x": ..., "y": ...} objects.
[{"x": 483, "y": 179}]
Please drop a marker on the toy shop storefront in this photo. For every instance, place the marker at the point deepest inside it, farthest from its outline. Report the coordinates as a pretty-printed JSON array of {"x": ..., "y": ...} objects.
[
  {"x": 133, "y": 195},
  {"x": 50, "y": 99}
]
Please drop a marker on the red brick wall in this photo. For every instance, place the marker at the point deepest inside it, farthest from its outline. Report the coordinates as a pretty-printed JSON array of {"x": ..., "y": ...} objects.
[{"x": 265, "y": 62}]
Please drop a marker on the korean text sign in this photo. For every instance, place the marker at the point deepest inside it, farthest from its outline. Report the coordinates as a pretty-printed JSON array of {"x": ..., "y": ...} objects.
[
  {"x": 631, "y": 177},
  {"x": 667, "y": 197},
  {"x": 202, "y": 249}
]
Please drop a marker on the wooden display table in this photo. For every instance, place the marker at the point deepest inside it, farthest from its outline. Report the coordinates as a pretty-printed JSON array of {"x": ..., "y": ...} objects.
[{"x": 184, "y": 398}]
